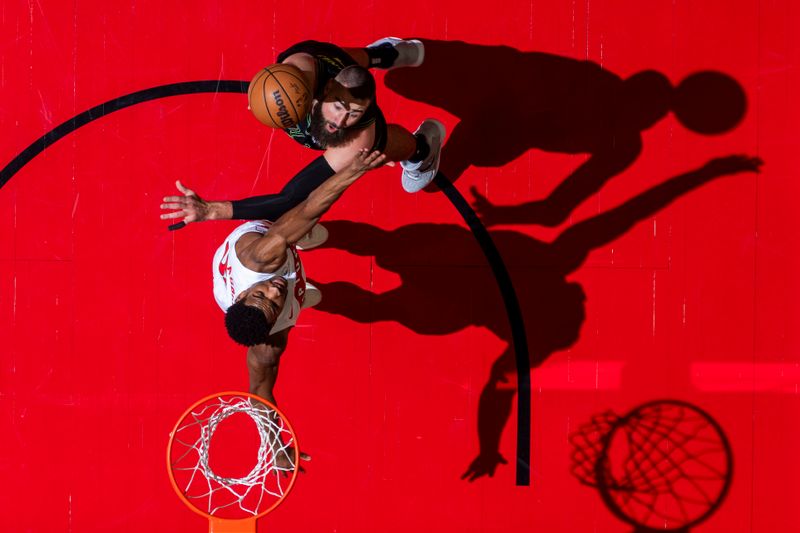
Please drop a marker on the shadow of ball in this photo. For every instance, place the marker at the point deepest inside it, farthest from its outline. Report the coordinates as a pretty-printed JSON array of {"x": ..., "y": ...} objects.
[{"x": 709, "y": 102}]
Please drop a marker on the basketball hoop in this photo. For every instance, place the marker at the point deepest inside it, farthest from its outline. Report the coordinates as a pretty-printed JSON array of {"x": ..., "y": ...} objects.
[{"x": 238, "y": 485}]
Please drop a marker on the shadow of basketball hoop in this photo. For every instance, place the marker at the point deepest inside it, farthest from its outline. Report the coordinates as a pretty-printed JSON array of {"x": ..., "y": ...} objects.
[{"x": 664, "y": 466}]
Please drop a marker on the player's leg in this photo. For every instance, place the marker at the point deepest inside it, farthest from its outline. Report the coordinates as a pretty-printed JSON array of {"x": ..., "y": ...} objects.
[
  {"x": 389, "y": 53},
  {"x": 359, "y": 55},
  {"x": 401, "y": 145}
]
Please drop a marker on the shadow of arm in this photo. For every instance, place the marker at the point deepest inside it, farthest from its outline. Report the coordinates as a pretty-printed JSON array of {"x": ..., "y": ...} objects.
[
  {"x": 494, "y": 410},
  {"x": 576, "y": 242},
  {"x": 552, "y": 211}
]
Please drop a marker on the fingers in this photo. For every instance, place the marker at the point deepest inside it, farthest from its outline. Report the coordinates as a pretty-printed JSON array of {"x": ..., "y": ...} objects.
[
  {"x": 744, "y": 160},
  {"x": 366, "y": 160},
  {"x": 287, "y": 464},
  {"x": 183, "y": 206},
  {"x": 369, "y": 157},
  {"x": 471, "y": 475},
  {"x": 189, "y": 207},
  {"x": 474, "y": 191},
  {"x": 179, "y": 202},
  {"x": 734, "y": 164},
  {"x": 185, "y": 190},
  {"x": 378, "y": 162},
  {"x": 172, "y": 199}
]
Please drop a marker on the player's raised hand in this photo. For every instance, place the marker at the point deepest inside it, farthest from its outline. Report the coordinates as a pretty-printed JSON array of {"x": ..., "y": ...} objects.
[
  {"x": 733, "y": 164},
  {"x": 489, "y": 213},
  {"x": 365, "y": 161},
  {"x": 190, "y": 207},
  {"x": 484, "y": 465},
  {"x": 284, "y": 463}
]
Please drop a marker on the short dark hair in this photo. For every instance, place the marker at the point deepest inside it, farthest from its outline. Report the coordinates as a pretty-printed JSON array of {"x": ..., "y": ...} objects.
[
  {"x": 358, "y": 81},
  {"x": 247, "y": 325}
]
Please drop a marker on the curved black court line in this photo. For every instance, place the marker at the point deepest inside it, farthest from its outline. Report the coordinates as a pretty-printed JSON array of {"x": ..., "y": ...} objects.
[
  {"x": 518, "y": 337},
  {"x": 138, "y": 97}
]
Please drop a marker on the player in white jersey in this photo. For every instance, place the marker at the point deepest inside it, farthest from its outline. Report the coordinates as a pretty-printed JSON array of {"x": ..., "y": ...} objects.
[
  {"x": 231, "y": 277},
  {"x": 259, "y": 280}
]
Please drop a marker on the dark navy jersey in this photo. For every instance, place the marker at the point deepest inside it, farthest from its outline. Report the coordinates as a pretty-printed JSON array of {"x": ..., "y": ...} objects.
[{"x": 330, "y": 60}]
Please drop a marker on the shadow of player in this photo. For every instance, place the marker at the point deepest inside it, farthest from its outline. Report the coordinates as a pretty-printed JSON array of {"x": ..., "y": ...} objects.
[
  {"x": 508, "y": 102},
  {"x": 442, "y": 291}
]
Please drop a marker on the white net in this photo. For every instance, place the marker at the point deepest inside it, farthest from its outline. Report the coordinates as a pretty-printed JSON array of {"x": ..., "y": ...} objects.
[{"x": 225, "y": 496}]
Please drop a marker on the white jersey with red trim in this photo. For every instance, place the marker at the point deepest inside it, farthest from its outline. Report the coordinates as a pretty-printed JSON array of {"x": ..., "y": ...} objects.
[{"x": 231, "y": 277}]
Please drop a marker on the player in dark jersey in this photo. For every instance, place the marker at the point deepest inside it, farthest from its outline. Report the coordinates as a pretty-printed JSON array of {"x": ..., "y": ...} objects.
[{"x": 344, "y": 119}]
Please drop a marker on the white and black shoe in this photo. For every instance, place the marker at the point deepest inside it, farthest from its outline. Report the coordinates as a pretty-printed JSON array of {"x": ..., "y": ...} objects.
[
  {"x": 410, "y": 52},
  {"x": 316, "y": 237},
  {"x": 417, "y": 176}
]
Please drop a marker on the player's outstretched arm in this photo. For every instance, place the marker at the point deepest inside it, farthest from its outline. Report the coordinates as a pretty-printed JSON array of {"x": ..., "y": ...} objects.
[
  {"x": 270, "y": 250},
  {"x": 262, "y": 365},
  {"x": 193, "y": 208}
]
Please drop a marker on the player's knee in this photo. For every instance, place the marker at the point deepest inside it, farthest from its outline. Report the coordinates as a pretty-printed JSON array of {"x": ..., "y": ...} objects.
[{"x": 400, "y": 143}]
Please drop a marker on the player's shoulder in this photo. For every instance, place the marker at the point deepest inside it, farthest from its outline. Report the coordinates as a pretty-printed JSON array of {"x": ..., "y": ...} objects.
[
  {"x": 265, "y": 253},
  {"x": 340, "y": 156},
  {"x": 302, "y": 60},
  {"x": 306, "y": 63}
]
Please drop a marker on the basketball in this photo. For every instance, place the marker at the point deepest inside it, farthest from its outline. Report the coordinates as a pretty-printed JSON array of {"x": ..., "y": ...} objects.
[{"x": 279, "y": 96}]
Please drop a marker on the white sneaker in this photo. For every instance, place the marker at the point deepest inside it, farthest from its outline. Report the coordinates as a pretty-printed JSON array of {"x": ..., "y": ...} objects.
[
  {"x": 411, "y": 52},
  {"x": 313, "y": 238},
  {"x": 417, "y": 176},
  {"x": 313, "y": 296}
]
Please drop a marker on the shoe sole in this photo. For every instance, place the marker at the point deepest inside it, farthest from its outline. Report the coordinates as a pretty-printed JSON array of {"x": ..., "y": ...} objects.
[
  {"x": 318, "y": 236},
  {"x": 313, "y": 296}
]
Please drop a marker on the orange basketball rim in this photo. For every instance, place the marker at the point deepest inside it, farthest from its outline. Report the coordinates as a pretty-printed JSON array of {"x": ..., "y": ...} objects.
[{"x": 237, "y": 486}]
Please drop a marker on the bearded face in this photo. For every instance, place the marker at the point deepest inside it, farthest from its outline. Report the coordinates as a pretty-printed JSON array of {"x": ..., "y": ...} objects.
[
  {"x": 335, "y": 117},
  {"x": 326, "y": 132}
]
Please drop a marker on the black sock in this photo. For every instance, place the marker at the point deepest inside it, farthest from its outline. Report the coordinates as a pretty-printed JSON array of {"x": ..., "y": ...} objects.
[
  {"x": 381, "y": 56},
  {"x": 422, "y": 151}
]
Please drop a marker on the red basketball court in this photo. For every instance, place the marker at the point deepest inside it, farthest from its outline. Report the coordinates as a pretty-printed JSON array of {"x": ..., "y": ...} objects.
[{"x": 630, "y": 271}]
